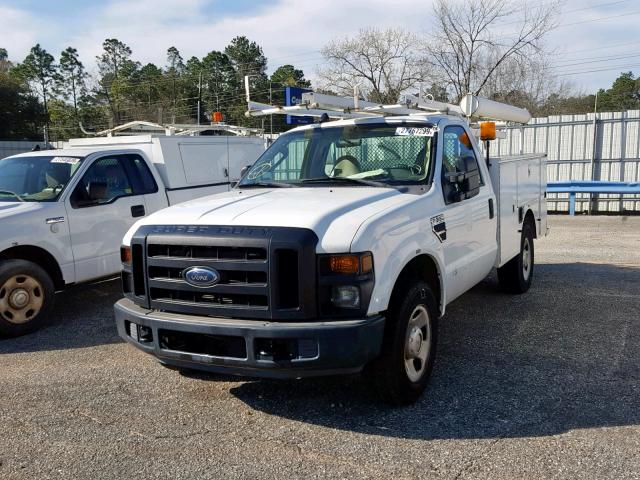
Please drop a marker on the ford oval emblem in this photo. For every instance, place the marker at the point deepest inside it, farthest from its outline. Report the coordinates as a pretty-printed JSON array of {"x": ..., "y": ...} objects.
[{"x": 201, "y": 276}]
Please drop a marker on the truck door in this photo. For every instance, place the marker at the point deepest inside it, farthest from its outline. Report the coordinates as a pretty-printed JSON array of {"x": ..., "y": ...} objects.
[
  {"x": 104, "y": 204},
  {"x": 470, "y": 246}
]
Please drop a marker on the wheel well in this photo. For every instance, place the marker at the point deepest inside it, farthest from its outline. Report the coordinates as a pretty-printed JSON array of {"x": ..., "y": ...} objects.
[
  {"x": 39, "y": 256},
  {"x": 421, "y": 268},
  {"x": 531, "y": 219}
]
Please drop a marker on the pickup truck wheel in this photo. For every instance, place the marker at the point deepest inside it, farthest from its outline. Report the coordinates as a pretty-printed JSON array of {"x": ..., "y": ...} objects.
[
  {"x": 26, "y": 297},
  {"x": 402, "y": 371},
  {"x": 516, "y": 275}
]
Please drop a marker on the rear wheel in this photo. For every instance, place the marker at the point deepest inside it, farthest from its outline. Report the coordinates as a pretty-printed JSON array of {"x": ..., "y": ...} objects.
[
  {"x": 516, "y": 275},
  {"x": 402, "y": 371},
  {"x": 26, "y": 297}
]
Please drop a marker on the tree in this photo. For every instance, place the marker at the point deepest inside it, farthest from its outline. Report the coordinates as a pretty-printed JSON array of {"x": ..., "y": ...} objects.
[
  {"x": 383, "y": 62},
  {"x": 289, "y": 76},
  {"x": 115, "y": 66},
  {"x": 468, "y": 44},
  {"x": 72, "y": 80},
  {"x": 39, "y": 69},
  {"x": 5, "y": 64},
  {"x": 20, "y": 111},
  {"x": 624, "y": 94}
]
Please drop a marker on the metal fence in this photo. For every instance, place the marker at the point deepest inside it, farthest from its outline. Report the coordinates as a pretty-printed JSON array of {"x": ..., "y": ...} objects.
[{"x": 583, "y": 147}]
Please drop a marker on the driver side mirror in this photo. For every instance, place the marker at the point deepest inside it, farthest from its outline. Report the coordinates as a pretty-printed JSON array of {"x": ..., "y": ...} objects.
[
  {"x": 244, "y": 170},
  {"x": 466, "y": 181}
]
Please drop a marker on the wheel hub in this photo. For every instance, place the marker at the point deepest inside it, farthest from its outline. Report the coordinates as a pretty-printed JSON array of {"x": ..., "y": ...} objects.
[
  {"x": 19, "y": 298},
  {"x": 414, "y": 342}
]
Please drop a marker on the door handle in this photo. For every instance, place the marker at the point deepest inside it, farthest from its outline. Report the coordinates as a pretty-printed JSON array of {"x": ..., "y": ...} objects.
[
  {"x": 491, "y": 212},
  {"x": 137, "y": 211},
  {"x": 226, "y": 172}
]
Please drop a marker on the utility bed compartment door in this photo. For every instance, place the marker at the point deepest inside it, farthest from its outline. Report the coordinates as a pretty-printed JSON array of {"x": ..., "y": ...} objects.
[{"x": 519, "y": 183}]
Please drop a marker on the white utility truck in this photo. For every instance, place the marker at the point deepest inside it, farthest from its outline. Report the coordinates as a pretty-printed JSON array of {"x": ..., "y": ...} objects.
[
  {"x": 63, "y": 212},
  {"x": 340, "y": 248}
]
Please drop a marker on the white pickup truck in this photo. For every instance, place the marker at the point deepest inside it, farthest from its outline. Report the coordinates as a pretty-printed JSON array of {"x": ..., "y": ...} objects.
[
  {"x": 63, "y": 213},
  {"x": 337, "y": 252}
]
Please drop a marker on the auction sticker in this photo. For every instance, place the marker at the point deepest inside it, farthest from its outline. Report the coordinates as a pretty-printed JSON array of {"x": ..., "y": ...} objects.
[
  {"x": 416, "y": 131},
  {"x": 69, "y": 160}
]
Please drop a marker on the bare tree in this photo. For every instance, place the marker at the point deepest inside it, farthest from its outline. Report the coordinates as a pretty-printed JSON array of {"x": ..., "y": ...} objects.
[
  {"x": 473, "y": 39},
  {"x": 383, "y": 62}
]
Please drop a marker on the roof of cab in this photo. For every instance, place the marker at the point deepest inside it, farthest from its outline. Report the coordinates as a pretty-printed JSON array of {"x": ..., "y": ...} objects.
[{"x": 426, "y": 119}]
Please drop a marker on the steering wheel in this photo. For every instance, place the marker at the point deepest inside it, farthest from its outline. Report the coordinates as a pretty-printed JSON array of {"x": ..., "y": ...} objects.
[{"x": 56, "y": 187}]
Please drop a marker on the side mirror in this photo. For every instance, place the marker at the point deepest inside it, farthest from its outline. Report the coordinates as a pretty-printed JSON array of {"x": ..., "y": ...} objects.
[
  {"x": 244, "y": 170},
  {"x": 464, "y": 183}
]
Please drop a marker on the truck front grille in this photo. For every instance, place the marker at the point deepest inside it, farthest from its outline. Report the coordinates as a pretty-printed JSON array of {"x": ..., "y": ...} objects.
[{"x": 264, "y": 273}]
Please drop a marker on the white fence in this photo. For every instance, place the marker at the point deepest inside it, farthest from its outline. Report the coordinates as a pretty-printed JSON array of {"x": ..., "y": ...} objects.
[
  {"x": 8, "y": 148},
  {"x": 581, "y": 147}
]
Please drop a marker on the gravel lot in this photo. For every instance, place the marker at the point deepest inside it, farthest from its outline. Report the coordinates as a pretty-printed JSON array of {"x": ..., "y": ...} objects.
[{"x": 541, "y": 385}]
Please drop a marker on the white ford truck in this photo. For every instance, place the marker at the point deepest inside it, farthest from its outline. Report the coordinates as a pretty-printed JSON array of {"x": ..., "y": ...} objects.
[
  {"x": 63, "y": 213},
  {"x": 338, "y": 251}
]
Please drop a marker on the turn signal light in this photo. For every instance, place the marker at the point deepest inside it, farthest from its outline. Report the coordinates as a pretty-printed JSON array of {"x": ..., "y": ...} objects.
[
  {"x": 345, "y": 264},
  {"x": 351, "y": 264},
  {"x": 125, "y": 255}
]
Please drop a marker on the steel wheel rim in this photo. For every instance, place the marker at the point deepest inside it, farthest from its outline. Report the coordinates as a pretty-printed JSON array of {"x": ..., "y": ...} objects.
[
  {"x": 417, "y": 343},
  {"x": 526, "y": 259},
  {"x": 21, "y": 299}
]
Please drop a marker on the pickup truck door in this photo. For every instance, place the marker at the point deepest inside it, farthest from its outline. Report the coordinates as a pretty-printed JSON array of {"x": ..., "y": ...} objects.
[
  {"x": 104, "y": 204},
  {"x": 470, "y": 247}
]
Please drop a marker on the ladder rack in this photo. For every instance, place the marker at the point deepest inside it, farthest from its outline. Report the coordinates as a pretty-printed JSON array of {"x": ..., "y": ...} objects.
[{"x": 315, "y": 104}]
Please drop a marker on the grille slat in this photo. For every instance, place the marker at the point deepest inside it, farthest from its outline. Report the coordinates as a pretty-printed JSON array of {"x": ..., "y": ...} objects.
[{"x": 243, "y": 280}]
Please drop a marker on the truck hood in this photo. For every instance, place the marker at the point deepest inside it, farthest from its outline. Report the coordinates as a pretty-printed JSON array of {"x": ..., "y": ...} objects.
[
  {"x": 334, "y": 214},
  {"x": 13, "y": 209}
]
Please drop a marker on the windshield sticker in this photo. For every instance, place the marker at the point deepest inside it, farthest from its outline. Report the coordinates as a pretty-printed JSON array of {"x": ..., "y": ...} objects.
[
  {"x": 416, "y": 131},
  {"x": 68, "y": 160}
]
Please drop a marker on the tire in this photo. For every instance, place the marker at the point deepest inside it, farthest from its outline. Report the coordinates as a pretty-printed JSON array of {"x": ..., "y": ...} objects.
[
  {"x": 26, "y": 297},
  {"x": 402, "y": 371},
  {"x": 516, "y": 275}
]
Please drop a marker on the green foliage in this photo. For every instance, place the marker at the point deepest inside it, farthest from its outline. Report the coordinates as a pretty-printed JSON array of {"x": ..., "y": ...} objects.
[
  {"x": 624, "y": 94},
  {"x": 124, "y": 90}
]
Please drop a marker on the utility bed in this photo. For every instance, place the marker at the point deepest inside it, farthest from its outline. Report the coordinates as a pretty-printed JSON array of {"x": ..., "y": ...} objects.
[{"x": 519, "y": 183}]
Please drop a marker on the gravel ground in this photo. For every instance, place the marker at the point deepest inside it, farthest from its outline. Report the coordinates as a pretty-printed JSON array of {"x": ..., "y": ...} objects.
[{"x": 541, "y": 385}]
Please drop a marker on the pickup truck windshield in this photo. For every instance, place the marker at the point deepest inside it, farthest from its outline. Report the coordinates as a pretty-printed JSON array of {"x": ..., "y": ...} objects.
[
  {"x": 371, "y": 155},
  {"x": 37, "y": 178}
]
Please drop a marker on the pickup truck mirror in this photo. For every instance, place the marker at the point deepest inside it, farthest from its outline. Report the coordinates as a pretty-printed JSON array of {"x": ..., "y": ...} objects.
[
  {"x": 244, "y": 170},
  {"x": 465, "y": 183}
]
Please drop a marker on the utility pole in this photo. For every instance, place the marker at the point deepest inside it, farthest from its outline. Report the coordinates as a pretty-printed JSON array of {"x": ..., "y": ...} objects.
[
  {"x": 199, "y": 94},
  {"x": 593, "y": 204}
]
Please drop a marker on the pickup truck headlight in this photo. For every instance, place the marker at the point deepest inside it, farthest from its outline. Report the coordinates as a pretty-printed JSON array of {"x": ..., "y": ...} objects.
[{"x": 345, "y": 283}]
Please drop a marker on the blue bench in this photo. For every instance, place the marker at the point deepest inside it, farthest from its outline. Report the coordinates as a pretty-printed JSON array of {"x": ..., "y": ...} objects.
[{"x": 590, "y": 186}]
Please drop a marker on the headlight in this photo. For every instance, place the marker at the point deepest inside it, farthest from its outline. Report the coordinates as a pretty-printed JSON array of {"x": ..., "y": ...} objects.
[
  {"x": 345, "y": 283},
  {"x": 345, "y": 296}
]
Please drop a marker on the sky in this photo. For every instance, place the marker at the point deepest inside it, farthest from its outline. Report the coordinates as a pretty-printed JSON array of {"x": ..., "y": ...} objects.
[{"x": 595, "y": 39}]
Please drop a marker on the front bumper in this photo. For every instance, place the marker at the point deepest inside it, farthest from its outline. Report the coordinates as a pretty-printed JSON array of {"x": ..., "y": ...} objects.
[{"x": 253, "y": 348}]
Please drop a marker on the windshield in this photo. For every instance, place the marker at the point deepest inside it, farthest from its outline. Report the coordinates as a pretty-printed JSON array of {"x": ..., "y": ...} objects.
[
  {"x": 372, "y": 155},
  {"x": 37, "y": 178}
]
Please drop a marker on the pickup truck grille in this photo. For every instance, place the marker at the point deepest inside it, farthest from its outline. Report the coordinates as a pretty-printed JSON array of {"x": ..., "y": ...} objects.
[
  {"x": 264, "y": 273},
  {"x": 243, "y": 273}
]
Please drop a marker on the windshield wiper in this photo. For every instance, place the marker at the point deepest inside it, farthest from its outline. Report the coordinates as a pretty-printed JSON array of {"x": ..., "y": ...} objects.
[
  {"x": 268, "y": 185},
  {"x": 12, "y": 193},
  {"x": 359, "y": 181}
]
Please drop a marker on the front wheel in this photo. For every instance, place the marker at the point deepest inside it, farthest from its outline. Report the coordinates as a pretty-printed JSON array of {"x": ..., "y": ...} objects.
[
  {"x": 402, "y": 371},
  {"x": 516, "y": 275},
  {"x": 26, "y": 297}
]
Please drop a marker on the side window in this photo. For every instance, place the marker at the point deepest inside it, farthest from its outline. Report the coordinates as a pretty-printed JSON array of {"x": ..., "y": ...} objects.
[
  {"x": 458, "y": 157},
  {"x": 143, "y": 181},
  {"x": 105, "y": 181}
]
